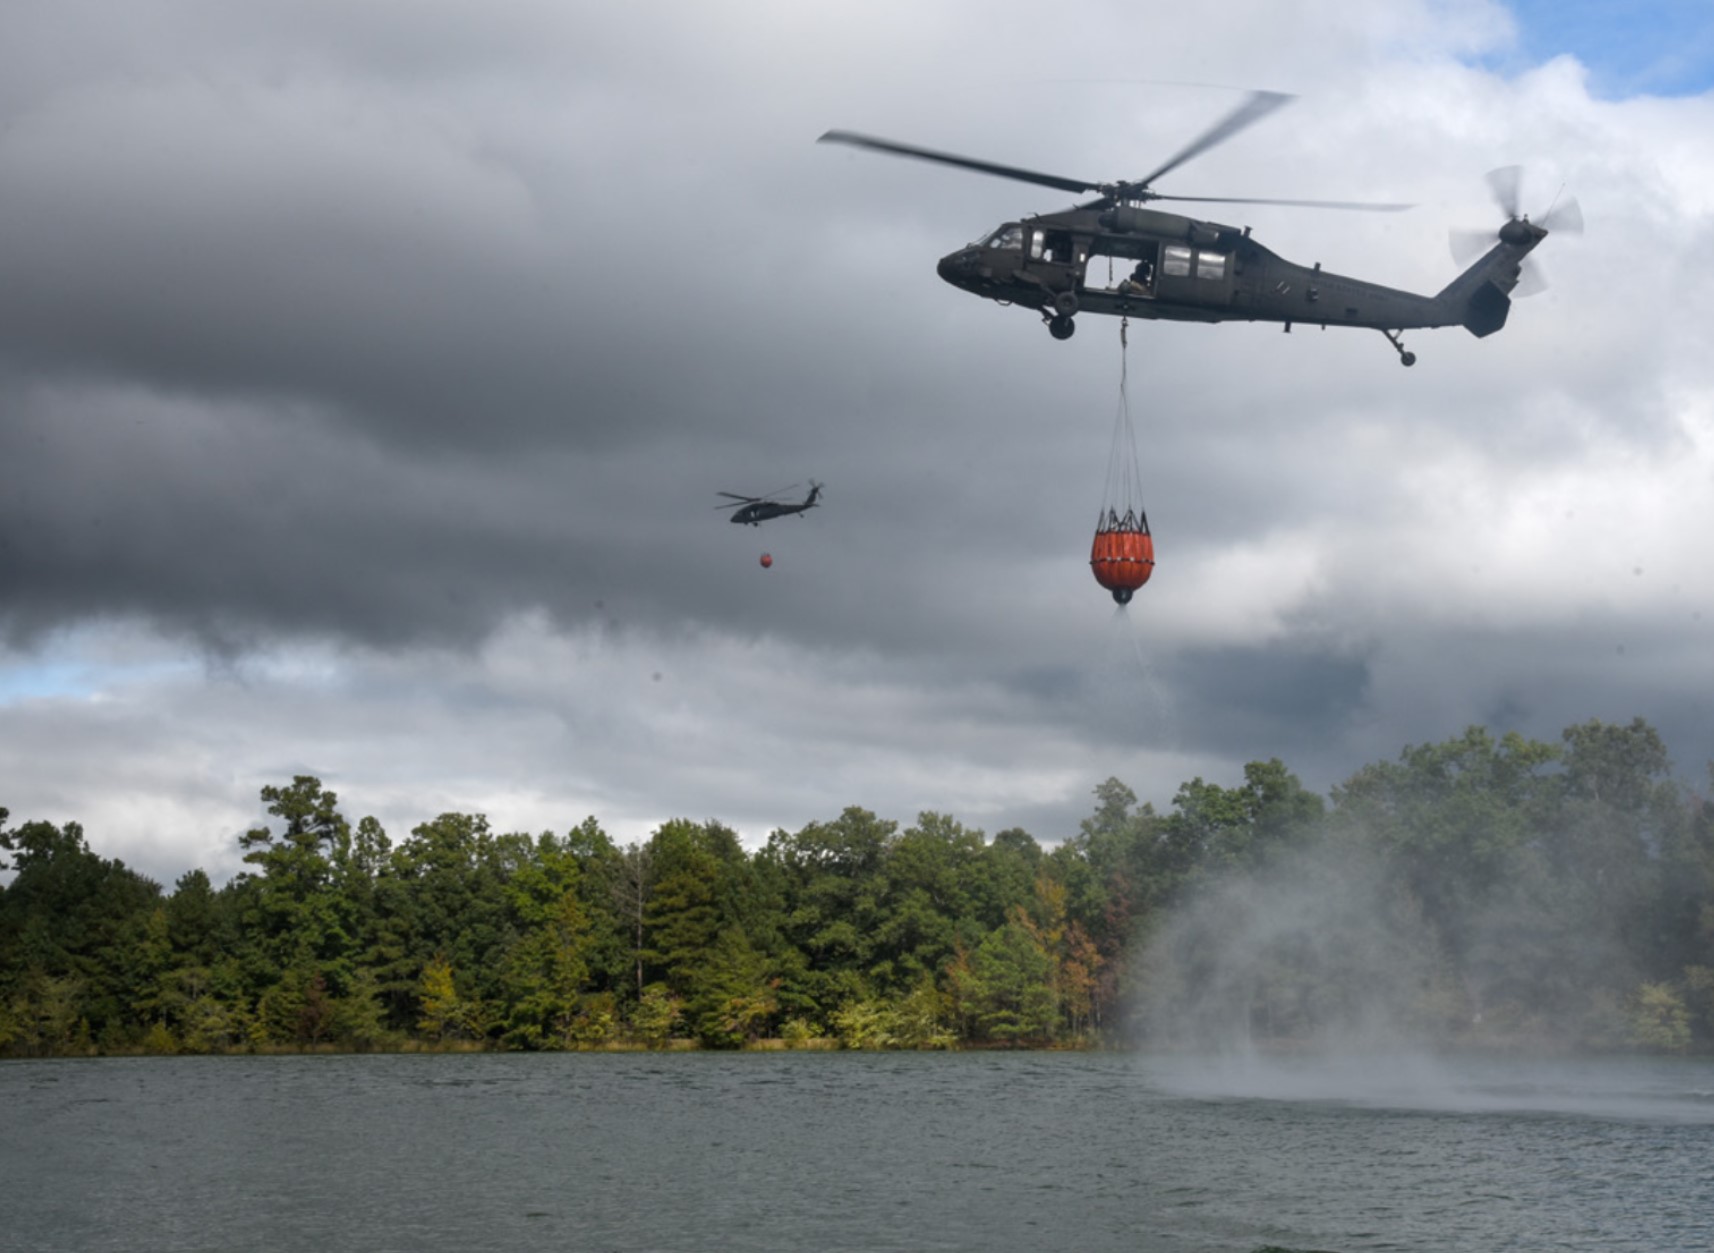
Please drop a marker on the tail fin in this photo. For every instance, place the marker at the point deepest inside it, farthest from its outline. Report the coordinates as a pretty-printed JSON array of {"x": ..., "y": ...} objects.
[{"x": 1485, "y": 312}]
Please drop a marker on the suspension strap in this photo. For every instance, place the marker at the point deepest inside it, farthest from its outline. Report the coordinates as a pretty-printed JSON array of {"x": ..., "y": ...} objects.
[{"x": 1124, "y": 355}]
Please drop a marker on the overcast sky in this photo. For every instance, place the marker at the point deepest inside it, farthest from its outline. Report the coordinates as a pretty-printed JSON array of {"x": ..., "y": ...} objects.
[{"x": 368, "y": 371}]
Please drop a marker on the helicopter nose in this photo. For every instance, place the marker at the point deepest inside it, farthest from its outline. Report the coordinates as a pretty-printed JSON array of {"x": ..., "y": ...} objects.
[{"x": 958, "y": 268}]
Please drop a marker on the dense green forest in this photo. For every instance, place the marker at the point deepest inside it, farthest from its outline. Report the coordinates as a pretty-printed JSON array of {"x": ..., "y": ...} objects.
[{"x": 1490, "y": 892}]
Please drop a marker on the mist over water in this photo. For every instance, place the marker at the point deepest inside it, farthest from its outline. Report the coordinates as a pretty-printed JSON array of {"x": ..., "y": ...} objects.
[
  {"x": 1315, "y": 977},
  {"x": 1316, "y": 953},
  {"x": 1648, "y": 1090}
]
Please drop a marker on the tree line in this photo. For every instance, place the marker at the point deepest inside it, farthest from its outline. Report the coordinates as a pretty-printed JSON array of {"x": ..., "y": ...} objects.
[{"x": 1481, "y": 891}]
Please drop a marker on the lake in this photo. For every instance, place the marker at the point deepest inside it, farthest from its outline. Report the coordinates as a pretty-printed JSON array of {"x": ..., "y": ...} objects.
[{"x": 813, "y": 1151}]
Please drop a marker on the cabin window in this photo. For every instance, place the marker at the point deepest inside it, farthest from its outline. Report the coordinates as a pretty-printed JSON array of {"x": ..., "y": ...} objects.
[
  {"x": 1211, "y": 265},
  {"x": 1050, "y": 246},
  {"x": 1175, "y": 261},
  {"x": 1006, "y": 237}
]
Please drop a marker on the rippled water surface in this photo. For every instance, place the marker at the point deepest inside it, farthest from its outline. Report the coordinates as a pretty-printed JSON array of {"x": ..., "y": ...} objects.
[{"x": 854, "y": 1151}]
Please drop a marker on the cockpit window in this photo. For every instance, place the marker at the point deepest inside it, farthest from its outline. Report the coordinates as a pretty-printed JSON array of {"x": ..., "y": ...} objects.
[{"x": 1006, "y": 237}]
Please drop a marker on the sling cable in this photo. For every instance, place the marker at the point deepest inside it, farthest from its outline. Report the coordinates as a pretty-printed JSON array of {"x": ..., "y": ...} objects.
[{"x": 1123, "y": 556}]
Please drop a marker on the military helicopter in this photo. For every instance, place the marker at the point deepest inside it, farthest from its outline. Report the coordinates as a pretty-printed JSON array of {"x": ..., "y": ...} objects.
[
  {"x": 1189, "y": 270},
  {"x": 755, "y": 510}
]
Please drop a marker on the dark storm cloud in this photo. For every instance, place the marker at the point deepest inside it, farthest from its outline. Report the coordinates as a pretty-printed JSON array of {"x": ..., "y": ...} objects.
[
  {"x": 238, "y": 522},
  {"x": 298, "y": 244},
  {"x": 1253, "y": 701},
  {"x": 359, "y": 283}
]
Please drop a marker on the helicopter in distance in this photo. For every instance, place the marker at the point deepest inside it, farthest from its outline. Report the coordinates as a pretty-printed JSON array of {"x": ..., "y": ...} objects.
[
  {"x": 1188, "y": 270},
  {"x": 755, "y": 510}
]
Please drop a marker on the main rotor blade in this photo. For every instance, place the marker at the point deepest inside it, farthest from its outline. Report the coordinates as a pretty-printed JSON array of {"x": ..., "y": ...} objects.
[
  {"x": 1253, "y": 110},
  {"x": 1365, "y": 205},
  {"x": 735, "y": 496},
  {"x": 964, "y": 163}
]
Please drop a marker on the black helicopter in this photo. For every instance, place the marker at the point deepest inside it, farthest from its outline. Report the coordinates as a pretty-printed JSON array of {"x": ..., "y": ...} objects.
[
  {"x": 1193, "y": 271},
  {"x": 755, "y": 510}
]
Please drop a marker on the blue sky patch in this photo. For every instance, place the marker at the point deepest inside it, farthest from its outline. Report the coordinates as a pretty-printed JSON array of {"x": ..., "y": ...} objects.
[
  {"x": 1631, "y": 47},
  {"x": 71, "y": 667},
  {"x": 26, "y": 682}
]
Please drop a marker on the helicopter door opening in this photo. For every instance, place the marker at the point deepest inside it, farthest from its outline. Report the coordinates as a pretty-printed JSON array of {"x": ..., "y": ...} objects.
[
  {"x": 1052, "y": 247},
  {"x": 1131, "y": 273},
  {"x": 1054, "y": 261}
]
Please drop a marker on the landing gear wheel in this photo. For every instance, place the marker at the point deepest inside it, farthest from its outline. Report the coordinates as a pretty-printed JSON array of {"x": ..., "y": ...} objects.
[
  {"x": 1065, "y": 304},
  {"x": 1396, "y": 339},
  {"x": 1061, "y": 327}
]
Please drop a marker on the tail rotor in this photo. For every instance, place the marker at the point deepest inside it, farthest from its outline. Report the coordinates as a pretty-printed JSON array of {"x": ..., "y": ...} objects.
[{"x": 1505, "y": 184}]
